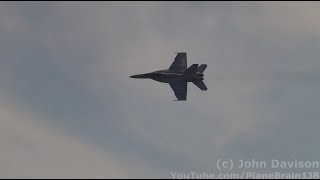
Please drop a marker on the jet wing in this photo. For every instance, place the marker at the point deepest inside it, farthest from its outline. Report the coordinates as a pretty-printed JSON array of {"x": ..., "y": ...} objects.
[
  {"x": 180, "y": 63},
  {"x": 180, "y": 89}
]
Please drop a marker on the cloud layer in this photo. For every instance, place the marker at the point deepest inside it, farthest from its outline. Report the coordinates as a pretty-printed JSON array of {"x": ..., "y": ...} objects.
[{"x": 69, "y": 108}]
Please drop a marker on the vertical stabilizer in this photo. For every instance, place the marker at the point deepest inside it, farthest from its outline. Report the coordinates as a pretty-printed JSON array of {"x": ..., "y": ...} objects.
[
  {"x": 201, "y": 68},
  {"x": 192, "y": 69}
]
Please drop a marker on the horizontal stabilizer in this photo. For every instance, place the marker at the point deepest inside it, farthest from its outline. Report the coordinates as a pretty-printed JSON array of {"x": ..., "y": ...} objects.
[
  {"x": 192, "y": 69},
  {"x": 201, "y": 68},
  {"x": 200, "y": 85}
]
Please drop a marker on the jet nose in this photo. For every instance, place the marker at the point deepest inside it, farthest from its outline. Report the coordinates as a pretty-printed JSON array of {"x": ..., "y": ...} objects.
[
  {"x": 135, "y": 76},
  {"x": 141, "y": 76}
]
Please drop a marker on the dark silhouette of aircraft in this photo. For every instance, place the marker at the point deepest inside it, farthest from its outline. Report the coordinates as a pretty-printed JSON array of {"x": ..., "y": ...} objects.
[{"x": 178, "y": 76}]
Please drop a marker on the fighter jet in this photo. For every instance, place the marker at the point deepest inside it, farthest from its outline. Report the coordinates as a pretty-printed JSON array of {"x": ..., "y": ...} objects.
[{"x": 178, "y": 76}]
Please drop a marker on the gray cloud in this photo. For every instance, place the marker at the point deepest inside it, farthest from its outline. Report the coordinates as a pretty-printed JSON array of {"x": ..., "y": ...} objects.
[{"x": 32, "y": 149}]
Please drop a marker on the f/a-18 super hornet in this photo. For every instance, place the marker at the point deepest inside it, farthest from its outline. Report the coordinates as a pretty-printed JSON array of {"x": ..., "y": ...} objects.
[{"x": 178, "y": 76}]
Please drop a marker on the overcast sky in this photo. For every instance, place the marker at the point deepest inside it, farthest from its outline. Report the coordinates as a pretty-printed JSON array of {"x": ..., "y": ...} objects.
[{"x": 68, "y": 108}]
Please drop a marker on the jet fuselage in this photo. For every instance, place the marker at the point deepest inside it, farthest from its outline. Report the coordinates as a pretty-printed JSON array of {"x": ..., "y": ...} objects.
[{"x": 166, "y": 76}]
